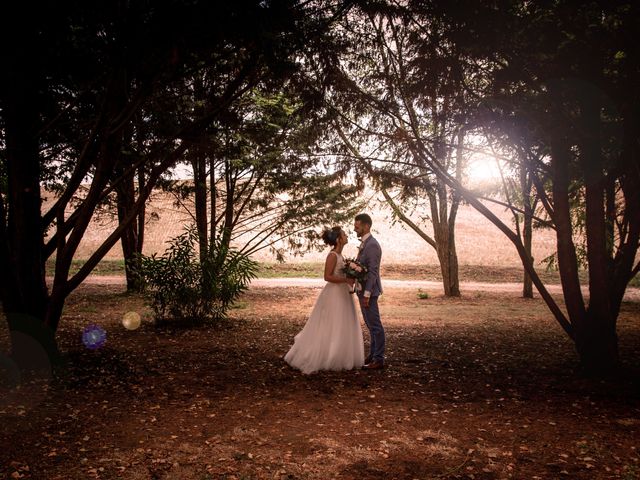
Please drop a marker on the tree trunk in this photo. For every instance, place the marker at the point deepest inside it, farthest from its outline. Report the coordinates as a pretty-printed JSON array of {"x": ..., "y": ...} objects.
[
  {"x": 443, "y": 234},
  {"x": 199, "y": 165},
  {"x": 596, "y": 337},
  {"x": 447, "y": 256},
  {"x": 142, "y": 213},
  {"x": 610, "y": 202},
  {"x": 125, "y": 199},
  {"x": 198, "y": 162},
  {"x": 109, "y": 148},
  {"x": 25, "y": 296},
  {"x": 6, "y": 285},
  {"x": 449, "y": 267},
  {"x": 452, "y": 257},
  {"x": 229, "y": 204},
  {"x": 527, "y": 229},
  {"x": 567, "y": 260},
  {"x": 213, "y": 199},
  {"x": 597, "y": 343},
  {"x": 126, "y": 196},
  {"x": 527, "y": 282}
]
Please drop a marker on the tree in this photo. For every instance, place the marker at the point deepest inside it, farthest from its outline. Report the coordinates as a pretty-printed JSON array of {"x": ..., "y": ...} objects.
[
  {"x": 77, "y": 77},
  {"x": 511, "y": 148},
  {"x": 570, "y": 73},
  {"x": 131, "y": 179},
  {"x": 256, "y": 181},
  {"x": 385, "y": 112}
]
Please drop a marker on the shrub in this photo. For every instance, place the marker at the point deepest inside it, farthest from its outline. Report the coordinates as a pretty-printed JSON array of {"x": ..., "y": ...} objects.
[
  {"x": 182, "y": 286},
  {"x": 422, "y": 295}
]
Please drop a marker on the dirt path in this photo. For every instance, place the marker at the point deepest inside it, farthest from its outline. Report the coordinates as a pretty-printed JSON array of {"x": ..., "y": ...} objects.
[{"x": 631, "y": 295}]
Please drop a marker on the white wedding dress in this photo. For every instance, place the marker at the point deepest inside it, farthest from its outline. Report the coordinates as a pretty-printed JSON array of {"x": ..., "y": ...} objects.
[{"x": 332, "y": 337}]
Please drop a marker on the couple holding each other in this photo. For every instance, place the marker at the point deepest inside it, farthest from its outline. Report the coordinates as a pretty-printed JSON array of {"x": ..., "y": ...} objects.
[{"x": 332, "y": 338}]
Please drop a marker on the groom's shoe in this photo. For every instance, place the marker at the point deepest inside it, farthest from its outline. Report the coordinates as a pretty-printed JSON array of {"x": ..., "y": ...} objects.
[{"x": 377, "y": 365}]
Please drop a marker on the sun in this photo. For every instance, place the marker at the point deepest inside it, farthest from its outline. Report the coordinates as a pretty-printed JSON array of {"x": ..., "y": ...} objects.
[{"x": 482, "y": 168}]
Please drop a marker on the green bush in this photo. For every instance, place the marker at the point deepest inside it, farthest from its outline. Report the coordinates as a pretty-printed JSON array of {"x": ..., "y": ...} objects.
[
  {"x": 422, "y": 295},
  {"x": 181, "y": 286}
]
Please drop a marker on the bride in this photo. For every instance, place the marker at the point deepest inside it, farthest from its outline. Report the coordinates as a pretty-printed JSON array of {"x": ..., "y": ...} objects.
[{"x": 332, "y": 338}]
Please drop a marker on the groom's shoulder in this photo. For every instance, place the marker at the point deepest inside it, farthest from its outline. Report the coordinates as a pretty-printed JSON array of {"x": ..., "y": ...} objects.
[{"x": 374, "y": 241}]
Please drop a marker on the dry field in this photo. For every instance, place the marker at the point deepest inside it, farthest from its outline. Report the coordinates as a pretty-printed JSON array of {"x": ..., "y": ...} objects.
[{"x": 478, "y": 241}]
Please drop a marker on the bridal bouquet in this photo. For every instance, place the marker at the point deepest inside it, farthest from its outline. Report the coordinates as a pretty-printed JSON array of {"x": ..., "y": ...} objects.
[{"x": 355, "y": 269}]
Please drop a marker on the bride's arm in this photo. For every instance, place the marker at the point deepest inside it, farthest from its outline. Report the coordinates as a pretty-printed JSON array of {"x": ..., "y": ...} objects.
[{"x": 329, "y": 266}]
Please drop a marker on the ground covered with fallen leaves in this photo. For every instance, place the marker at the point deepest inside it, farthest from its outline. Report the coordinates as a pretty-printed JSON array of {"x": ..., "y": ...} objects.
[{"x": 481, "y": 387}]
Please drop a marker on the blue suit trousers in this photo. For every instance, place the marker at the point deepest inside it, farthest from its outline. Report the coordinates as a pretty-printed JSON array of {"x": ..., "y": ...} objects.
[{"x": 371, "y": 316}]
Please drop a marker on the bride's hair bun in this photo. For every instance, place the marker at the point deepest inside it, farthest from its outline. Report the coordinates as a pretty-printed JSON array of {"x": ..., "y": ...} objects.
[{"x": 330, "y": 236}]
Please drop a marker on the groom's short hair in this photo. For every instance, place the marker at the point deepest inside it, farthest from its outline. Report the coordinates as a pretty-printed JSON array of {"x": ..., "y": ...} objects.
[{"x": 364, "y": 218}]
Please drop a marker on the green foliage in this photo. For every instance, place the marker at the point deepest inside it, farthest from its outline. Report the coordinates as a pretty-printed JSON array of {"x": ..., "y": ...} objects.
[
  {"x": 422, "y": 295},
  {"x": 182, "y": 285},
  {"x": 271, "y": 191}
]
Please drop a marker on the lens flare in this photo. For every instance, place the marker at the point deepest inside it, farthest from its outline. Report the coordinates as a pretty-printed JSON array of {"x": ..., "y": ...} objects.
[
  {"x": 131, "y": 320},
  {"x": 94, "y": 337}
]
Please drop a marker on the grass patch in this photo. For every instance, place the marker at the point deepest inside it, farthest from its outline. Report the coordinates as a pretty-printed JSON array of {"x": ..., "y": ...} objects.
[
  {"x": 240, "y": 305},
  {"x": 105, "y": 267},
  {"x": 468, "y": 273},
  {"x": 290, "y": 270},
  {"x": 422, "y": 295}
]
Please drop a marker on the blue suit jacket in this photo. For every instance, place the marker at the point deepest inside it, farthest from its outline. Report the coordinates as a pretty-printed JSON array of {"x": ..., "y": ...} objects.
[{"x": 370, "y": 256}]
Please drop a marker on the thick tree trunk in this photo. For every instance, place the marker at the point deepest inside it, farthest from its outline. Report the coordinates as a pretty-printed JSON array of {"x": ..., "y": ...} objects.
[
  {"x": 597, "y": 343},
  {"x": 25, "y": 296},
  {"x": 443, "y": 234},
  {"x": 126, "y": 197},
  {"x": 454, "y": 278},
  {"x": 448, "y": 259},
  {"x": 449, "y": 267},
  {"x": 567, "y": 260},
  {"x": 596, "y": 337},
  {"x": 24, "y": 231}
]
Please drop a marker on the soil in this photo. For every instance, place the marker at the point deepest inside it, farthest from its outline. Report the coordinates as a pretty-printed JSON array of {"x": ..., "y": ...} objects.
[{"x": 485, "y": 386}]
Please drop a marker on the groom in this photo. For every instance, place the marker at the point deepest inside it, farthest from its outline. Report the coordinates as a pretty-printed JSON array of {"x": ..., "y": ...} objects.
[{"x": 369, "y": 254}]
